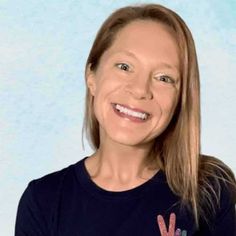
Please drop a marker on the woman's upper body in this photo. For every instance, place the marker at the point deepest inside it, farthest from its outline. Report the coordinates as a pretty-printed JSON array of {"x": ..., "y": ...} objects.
[
  {"x": 142, "y": 118},
  {"x": 69, "y": 202}
]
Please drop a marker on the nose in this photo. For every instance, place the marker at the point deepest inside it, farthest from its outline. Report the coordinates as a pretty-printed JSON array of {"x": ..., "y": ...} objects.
[{"x": 139, "y": 88}]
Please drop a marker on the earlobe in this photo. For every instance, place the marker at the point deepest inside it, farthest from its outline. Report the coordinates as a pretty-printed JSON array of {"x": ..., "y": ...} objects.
[{"x": 90, "y": 80}]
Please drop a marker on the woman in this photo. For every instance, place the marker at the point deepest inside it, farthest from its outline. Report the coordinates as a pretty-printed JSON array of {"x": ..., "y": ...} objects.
[{"x": 146, "y": 176}]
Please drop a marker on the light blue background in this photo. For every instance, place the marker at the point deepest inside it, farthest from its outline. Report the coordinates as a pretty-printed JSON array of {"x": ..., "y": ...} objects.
[{"x": 43, "y": 48}]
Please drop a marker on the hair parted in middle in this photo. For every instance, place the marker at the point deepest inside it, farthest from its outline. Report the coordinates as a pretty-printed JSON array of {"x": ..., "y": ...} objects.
[{"x": 177, "y": 150}]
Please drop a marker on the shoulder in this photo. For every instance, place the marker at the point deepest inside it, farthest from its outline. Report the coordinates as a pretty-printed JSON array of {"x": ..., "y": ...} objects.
[
  {"x": 217, "y": 190},
  {"x": 38, "y": 206},
  {"x": 215, "y": 174},
  {"x": 213, "y": 170},
  {"x": 44, "y": 193},
  {"x": 47, "y": 186}
]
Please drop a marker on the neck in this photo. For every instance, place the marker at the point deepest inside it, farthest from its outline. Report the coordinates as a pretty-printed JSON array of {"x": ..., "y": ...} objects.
[{"x": 121, "y": 163}]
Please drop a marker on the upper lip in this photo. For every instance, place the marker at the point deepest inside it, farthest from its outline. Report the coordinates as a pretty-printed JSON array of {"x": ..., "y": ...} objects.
[{"x": 132, "y": 108}]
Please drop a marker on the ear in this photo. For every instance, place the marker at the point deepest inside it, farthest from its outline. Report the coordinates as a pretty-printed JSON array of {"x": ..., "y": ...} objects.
[{"x": 90, "y": 80}]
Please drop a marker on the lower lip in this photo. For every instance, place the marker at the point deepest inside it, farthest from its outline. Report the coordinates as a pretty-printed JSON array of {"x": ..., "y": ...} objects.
[{"x": 131, "y": 118}]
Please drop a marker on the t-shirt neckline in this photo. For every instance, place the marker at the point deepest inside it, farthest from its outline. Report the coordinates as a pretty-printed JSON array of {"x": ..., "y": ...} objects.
[{"x": 90, "y": 186}]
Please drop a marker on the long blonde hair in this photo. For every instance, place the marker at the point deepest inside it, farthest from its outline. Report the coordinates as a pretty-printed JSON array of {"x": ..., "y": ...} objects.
[{"x": 177, "y": 150}]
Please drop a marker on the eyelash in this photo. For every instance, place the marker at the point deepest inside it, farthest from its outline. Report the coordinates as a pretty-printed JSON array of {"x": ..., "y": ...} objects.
[
  {"x": 122, "y": 65},
  {"x": 160, "y": 77},
  {"x": 127, "y": 68}
]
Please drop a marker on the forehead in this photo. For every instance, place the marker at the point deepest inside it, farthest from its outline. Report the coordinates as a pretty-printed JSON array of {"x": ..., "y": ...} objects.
[
  {"x": 139, "y": 26},
  {"x": 148, "y": 39}
]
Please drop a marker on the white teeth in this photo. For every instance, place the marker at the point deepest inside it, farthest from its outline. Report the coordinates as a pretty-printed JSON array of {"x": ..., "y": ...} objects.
[{"x": 129, "y": 112}]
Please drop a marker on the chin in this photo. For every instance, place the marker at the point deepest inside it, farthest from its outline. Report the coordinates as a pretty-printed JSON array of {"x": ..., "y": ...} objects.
[{"x": 128, "y": 140}]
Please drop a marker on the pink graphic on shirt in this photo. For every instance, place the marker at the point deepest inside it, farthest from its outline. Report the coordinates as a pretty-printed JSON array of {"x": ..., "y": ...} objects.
[{"x": 171, "y": 229}]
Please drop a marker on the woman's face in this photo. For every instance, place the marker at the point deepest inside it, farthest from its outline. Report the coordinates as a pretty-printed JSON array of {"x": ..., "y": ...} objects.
[{"x": 137, "y": 83}]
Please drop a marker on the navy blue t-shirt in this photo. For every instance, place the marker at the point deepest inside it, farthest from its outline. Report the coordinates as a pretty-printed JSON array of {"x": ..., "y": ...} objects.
[{"x": 69, "y": 203}]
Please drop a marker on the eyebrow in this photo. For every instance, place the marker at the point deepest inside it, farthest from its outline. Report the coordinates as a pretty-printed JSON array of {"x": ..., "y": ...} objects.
[
  {"x": 161, "y": 64},
  {"x": 128, "y": 53},
  {"x": 169, "y": 66}
]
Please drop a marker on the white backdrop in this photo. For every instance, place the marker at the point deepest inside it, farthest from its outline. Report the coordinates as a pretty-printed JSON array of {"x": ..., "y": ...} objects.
[{"x": 43, "y": 48}]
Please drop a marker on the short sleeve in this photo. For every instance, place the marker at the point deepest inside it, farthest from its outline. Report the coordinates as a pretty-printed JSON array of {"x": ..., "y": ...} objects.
[{"x": 29, "y": 219}]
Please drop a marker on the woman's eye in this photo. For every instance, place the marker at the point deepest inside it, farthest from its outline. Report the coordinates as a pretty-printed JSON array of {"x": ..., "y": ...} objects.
[
  {"x": 165, "y": 79},
  {"x": 123, "y": 66}
]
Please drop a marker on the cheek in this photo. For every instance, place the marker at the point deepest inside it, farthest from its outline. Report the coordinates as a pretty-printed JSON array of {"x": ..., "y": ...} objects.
[
  {"x": 102, "y": 102},
  {"x": 108, "y": 89},
  {"x": 168, "y": 100}
]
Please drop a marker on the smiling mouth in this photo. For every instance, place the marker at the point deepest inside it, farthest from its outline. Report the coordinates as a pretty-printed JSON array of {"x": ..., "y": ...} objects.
[{"x": 133, "y": 114}]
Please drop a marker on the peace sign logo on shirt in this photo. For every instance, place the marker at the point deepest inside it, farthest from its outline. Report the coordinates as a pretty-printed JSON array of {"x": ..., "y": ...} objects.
[{"x": 172, "y": 225}]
